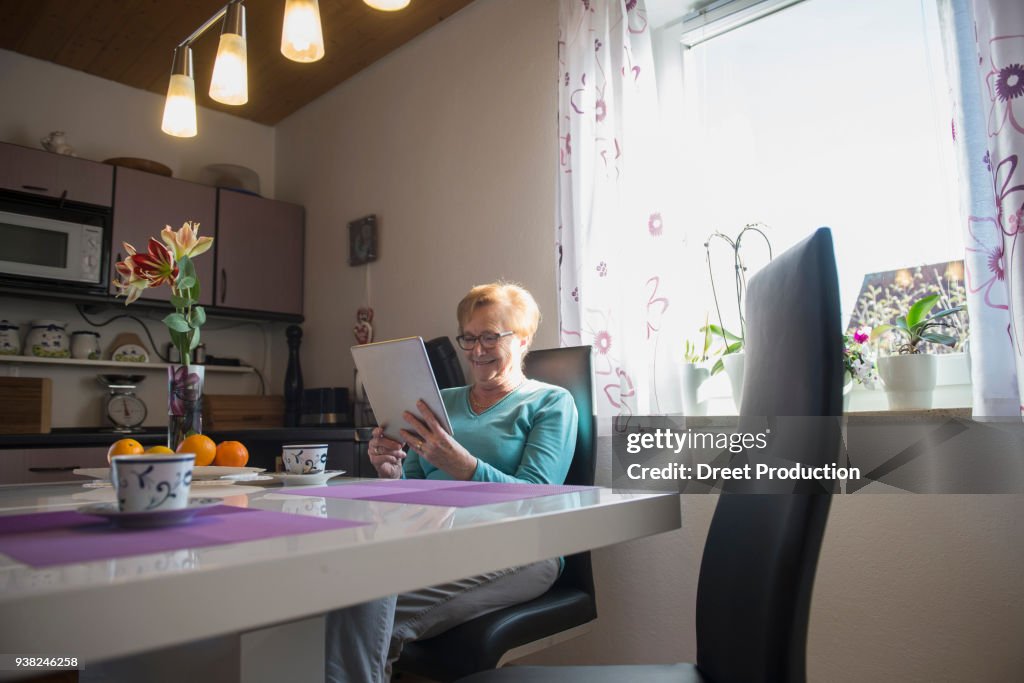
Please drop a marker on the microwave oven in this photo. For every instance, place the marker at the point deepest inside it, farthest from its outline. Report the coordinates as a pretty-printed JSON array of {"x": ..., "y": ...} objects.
[{"x": 57, "y": 246}]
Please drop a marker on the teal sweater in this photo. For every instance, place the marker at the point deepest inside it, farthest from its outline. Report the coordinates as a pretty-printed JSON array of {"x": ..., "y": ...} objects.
[{"x": 527, "y": 437}]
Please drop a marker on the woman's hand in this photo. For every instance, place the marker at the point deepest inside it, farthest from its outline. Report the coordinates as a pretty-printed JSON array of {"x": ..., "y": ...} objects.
[
  {"x": 386, "y": 455},
  {"x": 437, "y": 446}
]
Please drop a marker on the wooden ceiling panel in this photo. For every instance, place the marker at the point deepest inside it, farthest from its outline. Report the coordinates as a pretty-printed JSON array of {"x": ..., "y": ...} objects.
[{"x": 132, "y": 42}]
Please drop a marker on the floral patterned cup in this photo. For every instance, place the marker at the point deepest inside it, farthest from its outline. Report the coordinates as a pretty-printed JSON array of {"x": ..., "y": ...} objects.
[{"x": 145, "y": 483}]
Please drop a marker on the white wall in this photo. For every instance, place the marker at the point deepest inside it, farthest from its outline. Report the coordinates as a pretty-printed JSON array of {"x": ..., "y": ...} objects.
[
  {"x": 450, "y": 141},
  {"x": 104, "y": 119}
]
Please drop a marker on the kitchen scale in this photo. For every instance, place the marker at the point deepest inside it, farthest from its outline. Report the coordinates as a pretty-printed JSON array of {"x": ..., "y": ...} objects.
[{"x": 121, "y": 407}]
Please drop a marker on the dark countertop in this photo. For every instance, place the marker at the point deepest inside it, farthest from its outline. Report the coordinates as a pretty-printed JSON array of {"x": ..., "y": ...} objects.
[{"x": 152, "y": 436}]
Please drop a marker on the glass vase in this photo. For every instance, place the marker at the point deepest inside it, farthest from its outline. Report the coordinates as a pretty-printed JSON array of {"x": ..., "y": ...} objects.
[{"x": 184, "y": 402}]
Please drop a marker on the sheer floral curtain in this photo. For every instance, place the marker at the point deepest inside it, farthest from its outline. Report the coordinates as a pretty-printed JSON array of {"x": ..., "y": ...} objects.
[
  {"x": 616, "y": 248},
  {"x": 985, "y": 49}
]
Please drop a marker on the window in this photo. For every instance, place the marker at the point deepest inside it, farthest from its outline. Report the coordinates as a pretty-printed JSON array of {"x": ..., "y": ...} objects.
[{"x": 828, "y": 112}]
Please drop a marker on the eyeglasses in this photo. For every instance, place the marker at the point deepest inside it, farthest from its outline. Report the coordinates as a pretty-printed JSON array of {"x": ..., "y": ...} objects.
[{"x": 487, "y": 340}]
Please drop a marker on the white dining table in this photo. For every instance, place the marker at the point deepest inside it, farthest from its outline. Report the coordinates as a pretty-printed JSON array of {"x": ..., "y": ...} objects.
[{"x": 253, "y": 611}]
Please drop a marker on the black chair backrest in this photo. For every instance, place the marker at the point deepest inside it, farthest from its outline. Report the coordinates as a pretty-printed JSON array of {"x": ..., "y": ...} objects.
[
  {"x": 445, "y": 363},
  {"x": 757, "y": 572},
  {"x": 570, "y": 368}
]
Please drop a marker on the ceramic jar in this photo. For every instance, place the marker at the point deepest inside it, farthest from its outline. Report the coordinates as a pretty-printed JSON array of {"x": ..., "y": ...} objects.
[
  {"x": 47, "y": 339},
  {"x": 85, "y": 344},
  {"x": 10, "y": 342}
]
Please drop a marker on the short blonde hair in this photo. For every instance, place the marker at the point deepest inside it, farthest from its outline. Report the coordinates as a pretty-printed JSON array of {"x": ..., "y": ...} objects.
[{"x": 519, "y": 310}]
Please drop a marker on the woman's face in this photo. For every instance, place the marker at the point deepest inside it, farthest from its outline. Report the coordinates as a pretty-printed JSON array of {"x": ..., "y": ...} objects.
[{"x": 505, "y": 358}]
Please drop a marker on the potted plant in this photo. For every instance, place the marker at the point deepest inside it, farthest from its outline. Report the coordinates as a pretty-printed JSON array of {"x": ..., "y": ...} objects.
[
  {"x": 858, "y": 365},
  {"x": 732, "y": 357},
  {"x": 909, "y": 375},
  {"x": 694, "y": 373}
]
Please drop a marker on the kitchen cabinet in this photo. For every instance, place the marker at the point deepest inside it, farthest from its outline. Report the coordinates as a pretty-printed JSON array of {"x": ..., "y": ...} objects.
[
  {"x": 48, "y": 465},
  {"x": 259, "y": 254},
  {"x": 46, "y": 174},
  {"x": 144, "y": 203}
]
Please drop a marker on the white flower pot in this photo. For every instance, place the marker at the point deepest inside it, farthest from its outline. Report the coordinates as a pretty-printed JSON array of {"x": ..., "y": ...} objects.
[
  {"x": 734, "y": 363},
  {"x": 909, "y": 380},
  {"x": 847, "y": 388},
  {"x": 691, "y": 377}
]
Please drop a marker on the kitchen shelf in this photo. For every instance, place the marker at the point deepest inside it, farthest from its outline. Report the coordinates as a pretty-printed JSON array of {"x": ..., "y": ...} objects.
[{"x": 121, "y": 365}]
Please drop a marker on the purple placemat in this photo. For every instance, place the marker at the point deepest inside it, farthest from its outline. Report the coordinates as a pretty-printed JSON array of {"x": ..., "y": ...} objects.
[
  {"x": 444, "y": 493},
  {"x": 47, "y": 539}
]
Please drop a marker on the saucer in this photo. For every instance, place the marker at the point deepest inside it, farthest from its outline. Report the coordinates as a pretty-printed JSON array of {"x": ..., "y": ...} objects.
[
  {"x": 196, "y": 483},
  {"x": 150, "y": 519},
  {"x": 199, "y": 473},
  {"x": 317, "y": 479}
]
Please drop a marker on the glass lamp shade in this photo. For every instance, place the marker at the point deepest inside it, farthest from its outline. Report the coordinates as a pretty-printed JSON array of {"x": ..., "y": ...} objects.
[
  {"x": 387, "y": 5},
  {"x": 230, "y": 82},
  {"x": 302, "y": 39},
  {"x": 180, "y": 107}
]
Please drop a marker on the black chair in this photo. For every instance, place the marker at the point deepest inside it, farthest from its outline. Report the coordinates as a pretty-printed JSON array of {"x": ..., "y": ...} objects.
[
  {"x": 756, "y": 575},
  {"x": 569, "y": 606},
  {"x": 444, "y": 361}
]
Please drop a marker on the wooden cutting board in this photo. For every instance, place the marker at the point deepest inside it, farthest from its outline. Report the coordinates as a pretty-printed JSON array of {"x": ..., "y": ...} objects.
[
  {"x": 25, "y": 405},
  {"x": 225, "y": 412}
]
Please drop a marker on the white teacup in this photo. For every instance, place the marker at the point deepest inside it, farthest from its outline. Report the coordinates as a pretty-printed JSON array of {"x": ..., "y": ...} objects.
[
  {"x": 304, "y": 458},
  {"x": 146, "y": 483}
]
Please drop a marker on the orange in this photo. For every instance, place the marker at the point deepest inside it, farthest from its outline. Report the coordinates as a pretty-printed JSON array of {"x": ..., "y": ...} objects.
[
  {"x": 124, "y": 447},
  {"x": 231, "y": 454},
  {"x": 158, "y": 450},
  {"x": 200, "y": 444}
]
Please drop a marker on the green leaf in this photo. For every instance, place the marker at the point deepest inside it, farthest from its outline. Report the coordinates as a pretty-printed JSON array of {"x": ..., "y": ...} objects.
[
  {"x": 717, "y": 367},
  {"x": 723, "y": 333},
  {"x": 179, "y": 302},
  {"x": 945, "y": 312},
  {"x": 920, "y": 309},
  {"x": 195, "y": 340},
  {"x": 733, "y": 348},
  {"x": 176, "y": 322},
  {"x": 939, "y": 338},
  {"x": 198, "y": 316},
  {"x": 186, "y": 267},
  {"x": 184, "y": 282},
  {"x": 879, "y": 330}
]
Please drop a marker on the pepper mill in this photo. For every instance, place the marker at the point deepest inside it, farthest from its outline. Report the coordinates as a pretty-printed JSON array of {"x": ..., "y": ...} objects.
[{"x": 293, "y": 378}]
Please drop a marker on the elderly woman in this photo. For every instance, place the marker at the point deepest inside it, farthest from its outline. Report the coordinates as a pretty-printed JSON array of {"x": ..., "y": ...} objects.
[{"x": 507, "y": 429}]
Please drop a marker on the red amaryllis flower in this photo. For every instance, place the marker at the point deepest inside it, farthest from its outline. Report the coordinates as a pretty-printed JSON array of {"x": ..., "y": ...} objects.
[{"x": 156, "y": 266}]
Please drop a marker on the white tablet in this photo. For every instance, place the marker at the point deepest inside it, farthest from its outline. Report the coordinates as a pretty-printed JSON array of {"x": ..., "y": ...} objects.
[{"x": 396, "y": 374}]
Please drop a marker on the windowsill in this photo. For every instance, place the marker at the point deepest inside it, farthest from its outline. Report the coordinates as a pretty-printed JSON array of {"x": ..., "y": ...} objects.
[{"x": 952, "y": 391}]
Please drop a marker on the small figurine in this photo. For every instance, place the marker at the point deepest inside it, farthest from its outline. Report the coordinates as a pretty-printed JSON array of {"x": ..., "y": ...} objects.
[
  {"x": 55, "y": 142},
  {"x": 363, "y": 329}
]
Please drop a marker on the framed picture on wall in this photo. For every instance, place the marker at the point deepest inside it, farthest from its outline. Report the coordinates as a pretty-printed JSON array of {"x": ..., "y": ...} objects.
[{"x": 362, "y": 240}]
